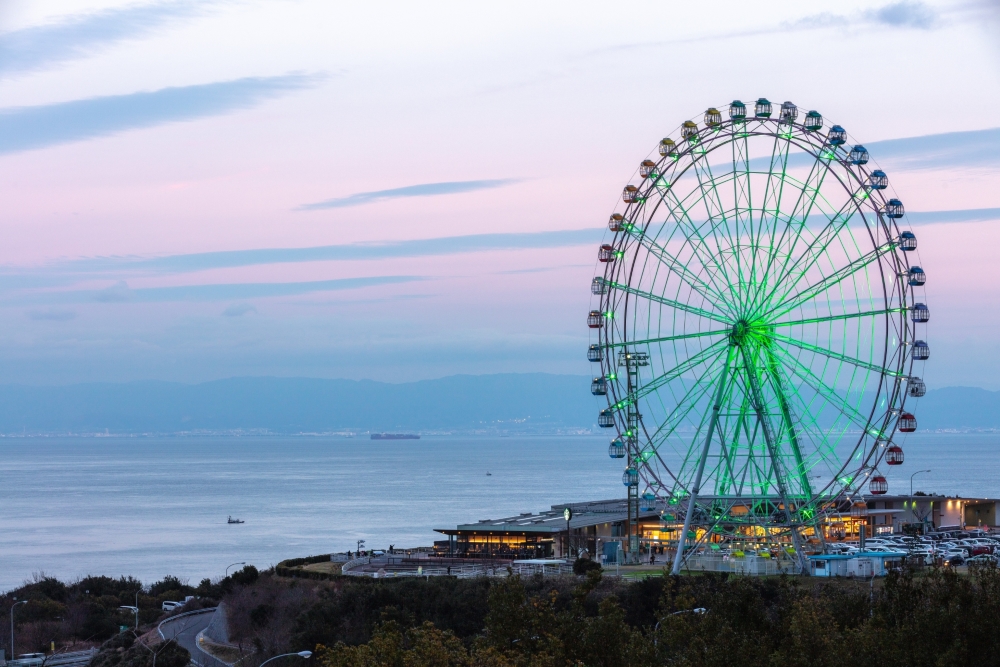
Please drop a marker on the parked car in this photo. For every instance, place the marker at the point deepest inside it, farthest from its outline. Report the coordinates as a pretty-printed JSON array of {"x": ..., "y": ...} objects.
[{"x": 982, "y": 559}]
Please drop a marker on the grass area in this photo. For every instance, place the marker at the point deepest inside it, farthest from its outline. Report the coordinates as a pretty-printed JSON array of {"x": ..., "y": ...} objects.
[{"x": 329, "y": 567}]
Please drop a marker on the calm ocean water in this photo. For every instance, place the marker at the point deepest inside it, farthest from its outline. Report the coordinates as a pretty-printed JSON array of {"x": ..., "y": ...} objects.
[{"x": 151, "y": 507}]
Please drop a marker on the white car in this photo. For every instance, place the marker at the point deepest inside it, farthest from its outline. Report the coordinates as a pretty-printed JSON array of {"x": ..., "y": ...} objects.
[{"x": 29, "y": 660}]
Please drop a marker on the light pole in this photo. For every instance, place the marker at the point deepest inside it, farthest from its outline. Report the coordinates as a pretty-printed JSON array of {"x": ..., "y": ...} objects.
[
  {"x": 911, "y": 482},
  {"x": 135, "y": 610},
  {"x": 301, "y": 654},
  {"x": 696, "y": 610},
  {"x": 230, "y": 565},
  {"x": 12, "y": 654},
  {"x": 913, "y": 504}
]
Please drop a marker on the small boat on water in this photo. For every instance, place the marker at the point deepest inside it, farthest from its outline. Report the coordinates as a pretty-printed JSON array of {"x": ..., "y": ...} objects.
[
  {"x": 489, "y": 474},
  {"x": 232, "y": 520}
]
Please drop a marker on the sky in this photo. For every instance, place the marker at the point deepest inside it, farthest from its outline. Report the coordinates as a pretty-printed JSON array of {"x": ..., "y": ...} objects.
[{"x": 199, "y": 190}]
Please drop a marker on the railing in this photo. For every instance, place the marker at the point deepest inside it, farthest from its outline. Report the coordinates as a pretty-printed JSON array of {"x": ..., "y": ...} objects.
[
  {"x": 353, "y": 563},
  {"x": 387, "y": 569},
  {"x": 159, "y": 628}
]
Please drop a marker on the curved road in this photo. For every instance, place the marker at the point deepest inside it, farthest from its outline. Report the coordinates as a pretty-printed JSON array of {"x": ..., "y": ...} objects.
[{"x": 185, "y": 629}]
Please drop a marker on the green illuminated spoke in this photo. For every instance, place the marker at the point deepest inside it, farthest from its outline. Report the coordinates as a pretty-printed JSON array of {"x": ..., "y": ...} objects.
[
  {"x": 677, "y": 267},
  {"x": 704, "y": 383},
  {"x": 799, "y": 221},
  {"x": 667, "y": 339},
  {"x": 716, "y": 212},
  {"x": 833, "y": 355},
  {"x": 813, "y": 252},
  {"x": 691, "y": 229},
  {"x": 668, "y": 302},
  {"x": 831, "y": 280},
  {"x": 824, "y": 390},
  {"x": 772, "y": 196},
  {"x": 677, "y": 371},
  {"x": 800, "y": 212},
  {"x": 843, "y": 316}
]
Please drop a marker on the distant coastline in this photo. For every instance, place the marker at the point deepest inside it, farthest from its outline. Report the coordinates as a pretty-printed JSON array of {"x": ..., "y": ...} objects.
[{"x": 394, "y": 436}]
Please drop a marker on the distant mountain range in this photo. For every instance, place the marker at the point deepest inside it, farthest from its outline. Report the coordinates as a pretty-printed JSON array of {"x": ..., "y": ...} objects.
[{"x": 462, "y": 403}]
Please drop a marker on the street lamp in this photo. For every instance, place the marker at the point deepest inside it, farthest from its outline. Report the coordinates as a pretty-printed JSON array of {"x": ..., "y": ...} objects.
[
  {"x": 911, "y": 482},
  {"x": 230, "y": 565},
  {"x": 913, "y": 504},
  {"x": 301, "y": 654},
  {"x": 133, "y": 609},
  {"x": 696, "y": 610},
  {"x": 12, "y": 654}
]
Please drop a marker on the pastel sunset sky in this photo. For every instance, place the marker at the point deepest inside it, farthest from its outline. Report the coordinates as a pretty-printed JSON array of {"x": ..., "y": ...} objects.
[{"x": 202, "y": 189}]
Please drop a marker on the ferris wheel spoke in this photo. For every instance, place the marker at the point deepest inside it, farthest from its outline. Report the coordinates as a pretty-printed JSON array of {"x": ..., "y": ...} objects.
[
  {"x": 797, "y": 220},
  {"x": 835, "y": 355},
  {"x": 774, "y": 188},
  {"x": 677, "y": 371},
  {"x": 675, "y": 266},
  {"x": 841, "y": 316},
  {"x": 663, "y": 301},
  {"x": 813, "y": 252},
  {"x": 718, "y": 219},
  {"x": 696, "y": 241},
  {"x": 830, "y": 280},
  {"x": 707, "y": 197},
  {"x": 667, "y": 339},
  {"x": 825, "y": 450}
]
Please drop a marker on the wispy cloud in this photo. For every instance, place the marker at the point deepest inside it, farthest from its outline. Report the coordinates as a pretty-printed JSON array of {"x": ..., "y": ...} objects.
[
  {"x": 238, "y": 310},
  {"x": 120, "y": 292},
  {"x": 51, "y": 315},
  {"x": 27, "y": 128},
  {"x": 975, "y": 148},
  {"x": 422, "y": 190},
  {"x": 904, "y": 14},
  {"x": 967, "y": 215},
  {"x": 953, "y": 149},
  {"x": 81, "y": 35},
  {"x": 447, "y": 245}
]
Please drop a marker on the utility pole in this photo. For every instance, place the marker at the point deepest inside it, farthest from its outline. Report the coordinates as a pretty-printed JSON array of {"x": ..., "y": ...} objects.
[
  {"x": 12, "y": 654},
  {"x": 632, "y": 361}
]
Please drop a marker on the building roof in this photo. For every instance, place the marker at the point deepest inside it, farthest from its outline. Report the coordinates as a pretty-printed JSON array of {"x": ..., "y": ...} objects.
[
  {"x": 551, "y": 521},
  {"x": 860, "y": 554},
  {"x": 931, "y": 496}
]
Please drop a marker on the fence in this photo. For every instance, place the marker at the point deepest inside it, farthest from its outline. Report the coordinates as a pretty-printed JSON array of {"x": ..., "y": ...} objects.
[
  {"x": 383, "y": 568},
  {"x": 751, "y": 565}
]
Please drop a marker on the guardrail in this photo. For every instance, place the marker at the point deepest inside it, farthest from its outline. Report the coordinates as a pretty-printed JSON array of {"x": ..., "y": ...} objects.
[
  {"x": 159, "y": 628},
  {"x": 69, "y": 659}
]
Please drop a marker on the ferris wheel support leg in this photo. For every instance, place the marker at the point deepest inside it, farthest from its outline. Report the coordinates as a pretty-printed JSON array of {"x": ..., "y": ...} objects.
[
  {"x": 716, "y": 408},
  {"x": 759, "y": 408}
]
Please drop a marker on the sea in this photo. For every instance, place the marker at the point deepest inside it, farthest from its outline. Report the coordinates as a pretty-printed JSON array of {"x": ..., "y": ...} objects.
[{"x": 151, "y": 507}]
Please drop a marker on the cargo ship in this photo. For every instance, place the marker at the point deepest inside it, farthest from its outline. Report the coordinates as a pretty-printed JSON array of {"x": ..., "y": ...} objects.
[{"x": 395, "y": 436}]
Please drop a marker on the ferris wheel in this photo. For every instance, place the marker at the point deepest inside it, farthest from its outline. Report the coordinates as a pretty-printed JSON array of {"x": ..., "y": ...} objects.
[{"x": 758, "y": 323}]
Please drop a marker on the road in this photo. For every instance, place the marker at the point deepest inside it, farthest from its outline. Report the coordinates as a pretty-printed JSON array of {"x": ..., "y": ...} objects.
[{"x": 185, "y": 629}]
